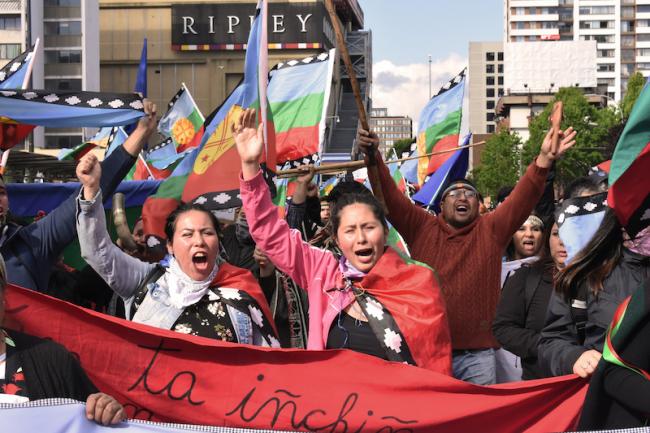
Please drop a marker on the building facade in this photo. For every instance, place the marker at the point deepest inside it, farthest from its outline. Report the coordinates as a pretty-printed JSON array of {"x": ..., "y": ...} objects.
[
  {"x": 621, "y": 29},
  {"x": 485, "y": 84},
  {"x": 68, "y": 59},
  {"x": 390, "y": 129},
  {"x": 203, "y": 46}
]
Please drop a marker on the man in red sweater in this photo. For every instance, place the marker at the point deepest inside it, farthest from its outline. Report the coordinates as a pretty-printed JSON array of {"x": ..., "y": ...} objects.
[{"x": 466, "y": 250}]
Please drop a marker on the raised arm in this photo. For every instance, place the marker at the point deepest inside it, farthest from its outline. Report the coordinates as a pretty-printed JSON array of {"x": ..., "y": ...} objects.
[
  {"x": 511, "y": 214},
  {"x": 405, "y": 216},
  {"x": 121, "y": 272},
  {"x": 57, "y": 229},
  {"x": 283, "y": 246}
]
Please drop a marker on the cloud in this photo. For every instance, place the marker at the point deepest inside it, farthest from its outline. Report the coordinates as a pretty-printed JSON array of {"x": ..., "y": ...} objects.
[{"x": 404, "y": 89}]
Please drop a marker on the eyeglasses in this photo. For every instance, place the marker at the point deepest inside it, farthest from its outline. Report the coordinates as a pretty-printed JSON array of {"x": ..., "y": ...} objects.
[{"x": 455, "y": 193}]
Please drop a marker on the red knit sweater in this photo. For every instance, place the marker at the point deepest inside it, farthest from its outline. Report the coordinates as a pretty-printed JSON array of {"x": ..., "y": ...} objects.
[{"x": 467, "y": 260}]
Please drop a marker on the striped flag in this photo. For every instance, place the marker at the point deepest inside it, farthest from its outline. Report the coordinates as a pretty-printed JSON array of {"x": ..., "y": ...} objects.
[
  {"x": 454, "y": 168},
  {"x": 578, "y": 219},
  {"x": 15, "y": 75},
  {"x": 439, "y": 125},
  {"x": 183, "y": 121},
  {"x": 298, "y": 94},
  {"x": 629, "y": 185},
  {"x": 108, "y": 138},
  {"x": 69, "y": 109}
]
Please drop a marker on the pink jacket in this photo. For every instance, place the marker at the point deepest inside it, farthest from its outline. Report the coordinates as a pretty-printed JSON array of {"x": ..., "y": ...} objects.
[{"x": 311, "y": 268}]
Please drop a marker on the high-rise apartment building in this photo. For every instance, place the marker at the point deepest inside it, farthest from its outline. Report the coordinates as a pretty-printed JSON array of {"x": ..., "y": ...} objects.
[
  {"x": 68, "y": 57},
  {"x": 485, "y": 84},
  {"x": 621, "y": 29},
  {"x": 389, "y": 129}
]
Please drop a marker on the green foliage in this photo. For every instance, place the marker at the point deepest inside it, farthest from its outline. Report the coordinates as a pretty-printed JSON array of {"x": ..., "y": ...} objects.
[
  {"x": 593, "y": 125},
  {"x": 500, "y": 163},
  {"x": 634, "y": 86},
  {"x": 403, "y": 145}
]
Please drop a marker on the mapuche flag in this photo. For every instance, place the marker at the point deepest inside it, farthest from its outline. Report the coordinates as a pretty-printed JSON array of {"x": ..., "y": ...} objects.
[
  {"x": 107, "y": 138},
  {"x": 183, "y": 121},
  {"x": 629, "y": 185},
  {"x": 70, "y": 109},
  {"x": 299, "y": 91},
  {"x": 15, "y": 75},
  {"x": 439, "y": 125}
]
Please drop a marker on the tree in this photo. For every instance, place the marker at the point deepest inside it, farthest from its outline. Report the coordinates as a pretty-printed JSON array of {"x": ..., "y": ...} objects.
[
  {"x": 593, "y": 125},
  {"x": 500, "y": 163},
  {"x": 401, "y": 146},
  {"x": 634, "y": 86}
]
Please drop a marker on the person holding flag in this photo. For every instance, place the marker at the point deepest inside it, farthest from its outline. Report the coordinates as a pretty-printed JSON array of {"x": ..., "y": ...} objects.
[
  {"x": 370, "y": 300},
  {"x": 31, "y": 251},
  {"x": 465, "y": 249}
]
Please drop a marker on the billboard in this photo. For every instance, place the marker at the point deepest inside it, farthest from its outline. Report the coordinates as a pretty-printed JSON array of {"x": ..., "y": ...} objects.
[
  {"x": 540, "y": 67},
  {"x": 225, "y": 26}
]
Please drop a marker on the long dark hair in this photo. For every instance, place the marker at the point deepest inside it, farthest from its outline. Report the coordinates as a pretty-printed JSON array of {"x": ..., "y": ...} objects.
[
  {"x": 595, "y": 261},
  {"x": 545, "y": 261},
  {"x": 170, "y": 224}
]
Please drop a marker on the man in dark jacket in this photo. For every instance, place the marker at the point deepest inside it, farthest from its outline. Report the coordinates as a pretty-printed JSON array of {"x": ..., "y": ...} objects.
[{"x": 30, "y": 251}]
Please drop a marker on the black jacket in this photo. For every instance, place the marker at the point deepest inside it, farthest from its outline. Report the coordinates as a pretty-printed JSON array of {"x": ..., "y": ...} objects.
[
  {"x": 521, "y": 313},
  {"x": 560, "y": 346},
  {"x": 50, "y": 370}
]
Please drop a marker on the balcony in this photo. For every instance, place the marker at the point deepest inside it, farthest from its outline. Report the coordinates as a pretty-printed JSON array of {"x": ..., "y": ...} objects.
[
  {"x": 61, "y": 12},
  {"x": 63, "y": 69},
  {"x": 53, "y": 41}
]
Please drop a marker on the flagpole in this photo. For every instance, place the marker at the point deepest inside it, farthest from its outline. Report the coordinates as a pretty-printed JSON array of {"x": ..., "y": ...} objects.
[
  {"x": 373, "y": 173},
  {"x": 28, "y": 74},
  {"x": 355, "y": 165}
]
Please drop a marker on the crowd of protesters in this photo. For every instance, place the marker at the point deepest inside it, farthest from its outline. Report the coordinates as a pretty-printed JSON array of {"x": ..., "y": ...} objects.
[{"x": 496, "y": 295}]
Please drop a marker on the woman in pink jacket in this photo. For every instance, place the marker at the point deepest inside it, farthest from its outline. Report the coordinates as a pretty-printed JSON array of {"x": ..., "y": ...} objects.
[{"x": 370, "y": 300}]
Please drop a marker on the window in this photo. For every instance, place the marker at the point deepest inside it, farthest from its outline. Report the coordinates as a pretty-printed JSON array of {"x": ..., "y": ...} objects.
[
  {"x": 643, "y": 52},
  {"x": 489, "y": 93},
  {"x": 63, "y": 56},
  {"x": 609, "y": 67},
  {"x": 490, "y": 129},
  {"x": 643, "y": 8},
  {"x": 63, "y": 28},
  {"x": 627, "y": 55},
  {"x": 9, "y": 51},
  {"x": 489, "y": 81},
  {"x": 598, "y": 24},
  {"x": 628, "y": 26},
  {"x": 500, "y": 56},
  {"x": 489, "y": 69},
  {"x": 500, "y": 69},
  {"x": 60, "y": 141},
  {"x": 63, "y": 3},
  {"x": 489, "y": 105},
  {"x": 643, "y": 37},
  {"x": 605, "y": 82},
  {"x": 601, "y": 39},
  {"x": 63, "y": 84},
  {"x": 605, "y": 53},
  {"x": 489, "y": 57},
  {"x": 10, "y": 22},
  {"x": 489, "y": 116},
  {"x": 500, "y": 81}
]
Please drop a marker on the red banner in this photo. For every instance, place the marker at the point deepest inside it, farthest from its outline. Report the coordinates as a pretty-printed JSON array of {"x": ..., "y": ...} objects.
[{"x": 166, "y": 376}]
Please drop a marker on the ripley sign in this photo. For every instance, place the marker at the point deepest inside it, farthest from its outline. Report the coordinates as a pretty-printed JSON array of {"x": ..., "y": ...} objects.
[{"x": 223, "y": 24}]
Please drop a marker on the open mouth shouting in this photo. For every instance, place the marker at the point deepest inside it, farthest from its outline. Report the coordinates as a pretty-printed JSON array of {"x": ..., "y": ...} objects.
[{"x": 200, "y": 261}]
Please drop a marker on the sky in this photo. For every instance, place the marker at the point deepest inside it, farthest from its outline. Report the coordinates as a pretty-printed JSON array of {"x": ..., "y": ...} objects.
[{"x": 405, "y": 32}]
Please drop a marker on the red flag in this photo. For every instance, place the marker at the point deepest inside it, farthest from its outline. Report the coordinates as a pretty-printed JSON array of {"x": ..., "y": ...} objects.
[
  {"x": 167, "y": 376},
  {"x": 12, "y": 134}
]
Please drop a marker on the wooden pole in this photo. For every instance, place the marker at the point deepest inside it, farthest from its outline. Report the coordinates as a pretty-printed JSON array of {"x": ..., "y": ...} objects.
[
  {"x": 373, "y": 173},
  {"x": 355, "y": 165}
]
